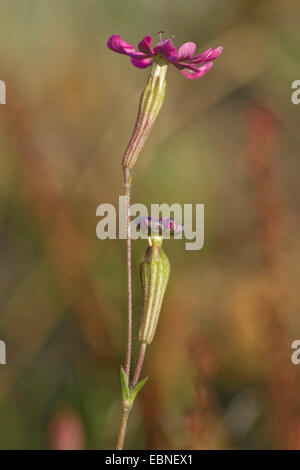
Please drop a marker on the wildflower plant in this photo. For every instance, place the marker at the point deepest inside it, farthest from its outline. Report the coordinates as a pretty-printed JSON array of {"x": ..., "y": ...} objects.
[{"x": 154, "y": 265}]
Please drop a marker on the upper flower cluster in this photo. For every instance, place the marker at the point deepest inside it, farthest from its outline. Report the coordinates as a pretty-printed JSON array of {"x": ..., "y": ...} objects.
[{"x": 190, "y": 65}]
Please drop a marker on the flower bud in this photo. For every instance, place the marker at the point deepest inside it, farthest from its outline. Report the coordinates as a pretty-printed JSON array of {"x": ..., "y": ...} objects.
[
  {"x": 151, "y": 101},
  {"x": 155, "y": 272}
]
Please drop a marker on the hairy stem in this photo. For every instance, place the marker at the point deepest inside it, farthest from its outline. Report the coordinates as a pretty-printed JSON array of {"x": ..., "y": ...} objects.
[
  {"x": 123, "y": 427},
  {"x": 126, "y": 411},
  {"x": 129, "y": 282},
  {"x": 139, "y": 364},
  {"x": 137, "y": 373}
]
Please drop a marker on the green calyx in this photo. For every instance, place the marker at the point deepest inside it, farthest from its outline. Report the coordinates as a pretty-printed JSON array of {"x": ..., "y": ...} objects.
[
  {"x": 155, "y": 272},
  {"x": 151, "y": 102}
]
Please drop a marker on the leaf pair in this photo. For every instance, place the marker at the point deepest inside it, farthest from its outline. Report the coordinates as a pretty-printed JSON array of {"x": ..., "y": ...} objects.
[{"x": 129, "y": 395}]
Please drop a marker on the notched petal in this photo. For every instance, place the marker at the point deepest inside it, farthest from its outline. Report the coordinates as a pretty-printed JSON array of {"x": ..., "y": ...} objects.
[
  {"x": 116, "y": 44},
  {"x": 198, "y": 59},
  {"x": 186, "y": 51},
  {"x": 215, "y": 53},
  {"x": 193, "y": 72},
  {"x": 144, "y": 45}
]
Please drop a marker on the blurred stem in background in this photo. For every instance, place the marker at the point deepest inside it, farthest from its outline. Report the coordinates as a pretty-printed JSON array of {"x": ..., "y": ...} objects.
[{"x": 272, "y": 223}]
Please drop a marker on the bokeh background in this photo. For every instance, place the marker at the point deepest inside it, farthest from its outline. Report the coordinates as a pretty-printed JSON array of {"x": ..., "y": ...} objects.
[{"x": 220, "y": 366}]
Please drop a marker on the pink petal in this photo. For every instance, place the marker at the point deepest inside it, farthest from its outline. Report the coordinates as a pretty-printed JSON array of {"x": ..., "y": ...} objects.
[
  {"x": 198, "y": 59},
  {"x": 186, "y": 51},
  {"x": 215, "y": 53},
  {"x": 116, "y": 44},
  {"x": 141, "y": 63},
  {"x": 194, "y": 73},
  {"x": 137, "y": 55},
  {"x": 165, "y": 48},
  {"x": 144, "y": 45},
  {"x": 210, "y": 54}
]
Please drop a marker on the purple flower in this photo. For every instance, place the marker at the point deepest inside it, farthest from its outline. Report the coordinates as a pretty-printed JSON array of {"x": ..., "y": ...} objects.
[
  {"x": 170, "y": 226},
  {"x": 190, "y": 65},
  {"x": 148, "y": 225},
  {"x": 164, "y": 226}
]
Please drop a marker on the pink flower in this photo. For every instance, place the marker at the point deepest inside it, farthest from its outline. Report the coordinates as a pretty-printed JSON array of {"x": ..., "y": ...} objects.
[
  {"x": 163, "y": 226},
  {"x": 190, "y": 65}
]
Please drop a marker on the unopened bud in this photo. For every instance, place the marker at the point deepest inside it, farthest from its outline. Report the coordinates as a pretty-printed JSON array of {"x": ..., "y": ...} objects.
[{"x": 155, "y": 273}]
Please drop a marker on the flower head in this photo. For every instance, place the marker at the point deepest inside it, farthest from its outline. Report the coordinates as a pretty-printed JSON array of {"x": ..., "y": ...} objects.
[
  {"x": 191, "y": 65},
  {"x": 165, "y": 226}
]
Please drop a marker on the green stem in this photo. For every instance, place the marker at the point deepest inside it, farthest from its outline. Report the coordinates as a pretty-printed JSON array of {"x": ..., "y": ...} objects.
[
  {"x": 123, "y": 427},
  {"x": 129, "y": 279},
  {"x": 125, "y": 407},
  {"x": 139, "y": 364}
]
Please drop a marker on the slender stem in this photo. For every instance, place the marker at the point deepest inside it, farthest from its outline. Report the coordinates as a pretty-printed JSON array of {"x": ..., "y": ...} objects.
[
  {"x": 139, "y": 364},
  {"x": 123, "y": 427},
  {"x": 126, "y": 411},
  {"x": 129, "y": 282}
]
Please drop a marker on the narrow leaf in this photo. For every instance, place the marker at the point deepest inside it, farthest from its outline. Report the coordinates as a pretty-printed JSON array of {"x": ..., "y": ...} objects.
[
  {"x": 124, "y": 385},
  {"x": 137, "y": 389}
]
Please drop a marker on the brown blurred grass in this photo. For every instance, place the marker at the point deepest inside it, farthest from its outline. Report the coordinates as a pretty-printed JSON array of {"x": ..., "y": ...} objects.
[{"x": 70, "y": 109}]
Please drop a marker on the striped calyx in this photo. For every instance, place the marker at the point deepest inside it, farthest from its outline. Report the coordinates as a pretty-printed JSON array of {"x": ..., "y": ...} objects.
[
  {"x": 155, "y": 273},
  {"x": 151, "y": 101}
]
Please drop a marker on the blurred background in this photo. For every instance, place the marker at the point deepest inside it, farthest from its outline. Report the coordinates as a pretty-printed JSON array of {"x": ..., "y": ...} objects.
[{"x": 220, "y": 367}]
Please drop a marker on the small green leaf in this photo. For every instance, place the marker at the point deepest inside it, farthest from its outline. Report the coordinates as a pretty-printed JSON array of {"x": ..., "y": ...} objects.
[
  {"x": 124, "y": 385},
  {"x": 137, "y": 389}
]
